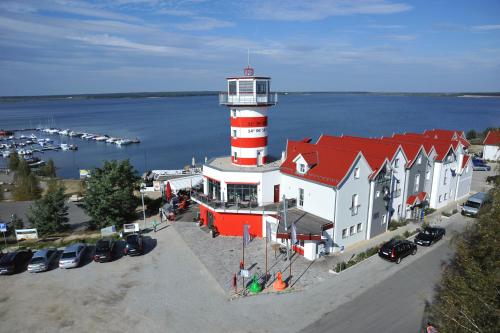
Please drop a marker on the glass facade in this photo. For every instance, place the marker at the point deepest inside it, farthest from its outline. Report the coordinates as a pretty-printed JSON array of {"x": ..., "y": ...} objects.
[
  {"x": 241, "y": 192},
  {"x": 262, "y": 87},
  {"x": 246, "y": 87},
  {"x": 232, "y": 87},
  {"x": 213, "y": 189}
]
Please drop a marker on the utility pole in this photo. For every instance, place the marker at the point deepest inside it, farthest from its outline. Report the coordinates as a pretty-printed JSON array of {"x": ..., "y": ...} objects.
[
  {"x": 142, "y": 190},
  {"x": 286, "y": 226}
]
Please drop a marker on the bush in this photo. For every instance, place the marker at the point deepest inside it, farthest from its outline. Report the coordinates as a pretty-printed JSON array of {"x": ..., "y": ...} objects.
[
  {"x": 371, "y": 251},
  {"x": 393, "y": 225},
  {"x": 428, "y": 211},
  {"x": 406, "y": 234}
]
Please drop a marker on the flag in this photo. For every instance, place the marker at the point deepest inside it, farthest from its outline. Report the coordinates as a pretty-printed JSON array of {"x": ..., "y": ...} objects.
[
  {"x": 268, "y": 230},
  {"x": 246, "y": 235},
  {"x": 294, "y": 234}
]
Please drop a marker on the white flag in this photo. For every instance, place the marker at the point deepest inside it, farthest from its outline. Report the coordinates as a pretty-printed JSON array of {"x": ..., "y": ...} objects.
[
  {"x": 246, "y": 235},
  {"x": 294, "y": 234},
  {"x": 268, "y": 231}
]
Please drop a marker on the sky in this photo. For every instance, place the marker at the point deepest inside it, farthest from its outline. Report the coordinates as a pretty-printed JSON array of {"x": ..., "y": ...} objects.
[{"x": 102, "y": 46}]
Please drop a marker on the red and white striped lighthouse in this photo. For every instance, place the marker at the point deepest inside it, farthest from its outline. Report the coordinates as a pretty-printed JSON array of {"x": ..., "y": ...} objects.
[{"x": 248, "y": 98}]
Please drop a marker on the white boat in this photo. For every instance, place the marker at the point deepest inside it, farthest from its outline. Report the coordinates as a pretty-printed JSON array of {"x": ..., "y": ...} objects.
[
  {"x": 111, "y": 140},
  {"x": 33, "y": 136},
  {"x": 123, "y": 142},
  {"x": 73, "y": 133},
  {"x": 6, "y": 153},
  {"x": 64, "y": 146},
  {"x": 101, "y": 138},
  {"x": 64, "y": 132}
]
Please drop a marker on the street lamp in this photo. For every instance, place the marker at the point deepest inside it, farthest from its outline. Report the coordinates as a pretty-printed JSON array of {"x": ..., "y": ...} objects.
[{"x": 143, "y": 190}]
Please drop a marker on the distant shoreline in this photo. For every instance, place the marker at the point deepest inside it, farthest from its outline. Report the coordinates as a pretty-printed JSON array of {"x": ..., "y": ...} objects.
[{"x": 215, "y": 93}]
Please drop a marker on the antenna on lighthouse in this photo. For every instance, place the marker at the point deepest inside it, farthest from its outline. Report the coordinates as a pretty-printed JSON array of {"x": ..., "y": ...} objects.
[
  {"x": 248, "y": 70},
  {"x": 248, "y": 57}
]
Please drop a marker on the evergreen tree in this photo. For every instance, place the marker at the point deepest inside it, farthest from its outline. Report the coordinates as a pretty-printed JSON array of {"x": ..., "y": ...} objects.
[
  {"x": 472, "y": 134},
  {"x": 50, "y": 213},
  {"x": 26, "y": 186},
  {"x": 49, "y": 169},
  {"x": 13, "y": 161},
  {"x": 468, "y": 299},
  {"x": 109, "y": 198}
]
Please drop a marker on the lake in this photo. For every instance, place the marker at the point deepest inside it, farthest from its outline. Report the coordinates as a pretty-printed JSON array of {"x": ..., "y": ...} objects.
[{"x": 174, "y": 129}]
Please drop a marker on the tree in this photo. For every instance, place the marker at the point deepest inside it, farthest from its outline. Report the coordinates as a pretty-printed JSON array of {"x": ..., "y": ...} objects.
[
  {"x": 50, "y": 214},
  {"x": 15, "y": 223},
  {"x": 49, "y": 169},
  {"x": 472, "y": 134},
  {"x": 26, "y": 186},
  {"x": 109, "y": 198},
  {"x": 1, "y": 193},
  {"x": 13, "y": 161},
  {"x": 467, "y": 299}
]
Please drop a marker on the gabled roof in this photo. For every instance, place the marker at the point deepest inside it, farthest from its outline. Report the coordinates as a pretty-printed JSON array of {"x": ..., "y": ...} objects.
[
  {"x": 442, "y": 147},
  {"x": 416, "y": 199},
  {"x": 492, "y": 138},
  {"x": 411, "y": 149},
  {"x": 332, "y": 165},
  {"x": 448, "y": 135}
]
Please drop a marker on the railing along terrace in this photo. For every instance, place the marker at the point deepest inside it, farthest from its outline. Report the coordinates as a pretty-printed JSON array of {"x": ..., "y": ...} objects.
[
  {"x": 242, "y": 99},
  {"x": 247, "y": 206}
]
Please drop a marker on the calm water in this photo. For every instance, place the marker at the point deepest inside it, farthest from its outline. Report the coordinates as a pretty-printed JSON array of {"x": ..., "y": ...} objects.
[{"x": 172, "y": 130}]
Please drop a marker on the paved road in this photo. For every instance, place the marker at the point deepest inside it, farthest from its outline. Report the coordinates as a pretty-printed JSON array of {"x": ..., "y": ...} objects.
[{"x": 396, "y": 304}]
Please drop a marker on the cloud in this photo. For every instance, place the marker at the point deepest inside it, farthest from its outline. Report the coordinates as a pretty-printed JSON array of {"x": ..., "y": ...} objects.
[
  {"x": 294, "y": 10},
  {"x": 17, "y": 7},
  {"x": 203, "y": 23},
  {"x": 488, "y": 27}
]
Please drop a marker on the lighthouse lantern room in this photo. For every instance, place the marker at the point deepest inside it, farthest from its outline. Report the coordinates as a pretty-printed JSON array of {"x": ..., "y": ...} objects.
[{"x": 248, "y": 98}]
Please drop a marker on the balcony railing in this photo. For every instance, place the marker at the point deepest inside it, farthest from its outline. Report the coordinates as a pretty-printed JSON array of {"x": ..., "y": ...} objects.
[
  {"x": 248, "y": 99},
  {"x": 246, "y": 206}
]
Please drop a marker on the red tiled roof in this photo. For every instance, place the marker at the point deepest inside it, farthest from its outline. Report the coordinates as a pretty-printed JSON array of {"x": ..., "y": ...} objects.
[
  {"x": 442, "y": 147},
  {"x": 492, "y": 138},
  {"x": 311, "y": 157},
  {"x": 447, "y": 135},
  {"x": 410, "y": 148},
  {"x": 416, "y": 199},
  {"x": 465, "y": 161},
  {"x": 332, "y": 164}
]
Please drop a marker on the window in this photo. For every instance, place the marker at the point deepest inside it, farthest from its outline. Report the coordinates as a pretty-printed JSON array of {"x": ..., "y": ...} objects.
[
  {"x": 396, "y": 162},
  {"x": 246, "y": 87},
  {"x": 356, "y": 173},
  {"x": 445, "y": 196},
  {"x": 302, "y": 168},
  {"x": 377, "y": 194},
  {"x": 261, "y": 87},
  {"x": 354, "y": 205},
  {"x": 234, "y": 133},
  {"x": 427, "y": 175},
  {"x": 232, "y": 87},
  {"x": 301, "y": 197},
  {"x": 360, "y": 227},
  {"x": 445, "y": 177},
  {"x": 233, "y": 112},
  {"x": 440, "y": 198},
  {"x": 351, "y": 230},
  {"x": 213, "y": 189},
  {"x": 399, "y": 209},
  {"x": 417, "y": 183},
  {"x": 344, "y": 233},
  {"x": 241, "y": 192},
  {"x": 235, "y": 156},
  {"x": 382, "y": 222},
  {"x": 419, "y": 160}
]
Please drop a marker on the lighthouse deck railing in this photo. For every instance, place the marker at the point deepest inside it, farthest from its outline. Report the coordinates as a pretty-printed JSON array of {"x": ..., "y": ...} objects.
[
  {"x": 248, "y": 99},
  {"x": 251, "y": 207}
]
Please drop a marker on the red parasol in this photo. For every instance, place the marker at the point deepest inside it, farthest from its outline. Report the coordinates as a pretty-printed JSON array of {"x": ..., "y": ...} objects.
[{"x": 168, "y": 192}]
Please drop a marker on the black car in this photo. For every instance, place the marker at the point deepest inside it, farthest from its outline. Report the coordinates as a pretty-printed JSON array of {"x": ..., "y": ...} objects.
[
  {"x": 14, "y": 261},
  {"x": 104, "y": 250},
  {"x": 429, "y": 235},
  {"x": 135, "y": 245},
  {"x": 395, "y": 250}
]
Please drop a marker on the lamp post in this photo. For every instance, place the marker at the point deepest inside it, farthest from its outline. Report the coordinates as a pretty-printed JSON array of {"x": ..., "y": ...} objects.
[{"x": 142, "y": 190}]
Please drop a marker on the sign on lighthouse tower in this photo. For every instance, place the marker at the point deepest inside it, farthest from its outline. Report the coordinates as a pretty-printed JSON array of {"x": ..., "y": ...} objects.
[{"x": 248, "y": 98}]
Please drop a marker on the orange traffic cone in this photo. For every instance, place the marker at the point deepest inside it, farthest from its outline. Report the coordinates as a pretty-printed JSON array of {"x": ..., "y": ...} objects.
[{"x": 279, "y": 285}]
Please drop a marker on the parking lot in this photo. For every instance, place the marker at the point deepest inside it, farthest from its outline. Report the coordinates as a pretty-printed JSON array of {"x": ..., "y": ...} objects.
[{"x": 171, "y": 289}]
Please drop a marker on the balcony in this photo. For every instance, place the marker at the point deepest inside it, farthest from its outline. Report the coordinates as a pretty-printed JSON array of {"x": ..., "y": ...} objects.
[
  {"x": 247, "y": 207},
  {"x": 248, "y": 99}
]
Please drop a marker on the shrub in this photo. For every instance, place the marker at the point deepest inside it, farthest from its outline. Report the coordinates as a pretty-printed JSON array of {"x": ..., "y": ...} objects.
[
  {"x": 406, "y": 234},
  {"x": 360, "y": 257},
  {"x": 428, "y": 211},
  {"x": 371, "y": 251}
]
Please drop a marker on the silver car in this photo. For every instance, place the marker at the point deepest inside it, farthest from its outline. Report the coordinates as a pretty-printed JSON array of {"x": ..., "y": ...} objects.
[
  {"x": 72, "y": 256},
  {"x": 42, "y": 260}
]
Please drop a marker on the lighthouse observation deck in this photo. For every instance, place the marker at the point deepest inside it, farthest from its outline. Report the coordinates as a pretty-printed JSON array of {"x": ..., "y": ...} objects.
[{"x": 248, "y": 99}]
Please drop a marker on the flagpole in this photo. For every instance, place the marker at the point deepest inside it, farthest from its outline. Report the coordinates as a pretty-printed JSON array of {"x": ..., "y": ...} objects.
[
  {"x": 265, "y": 279},
  {"x": 242, "y": 276}
]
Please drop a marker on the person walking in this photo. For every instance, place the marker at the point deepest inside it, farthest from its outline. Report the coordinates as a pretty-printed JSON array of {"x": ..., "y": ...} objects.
[
  {"x": 430, "y": 328},
  {"x": 154, "y": 225}
]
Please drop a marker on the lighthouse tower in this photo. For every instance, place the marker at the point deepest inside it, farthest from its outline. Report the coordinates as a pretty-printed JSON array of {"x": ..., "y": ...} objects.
[{"x": 248, "y": 98}]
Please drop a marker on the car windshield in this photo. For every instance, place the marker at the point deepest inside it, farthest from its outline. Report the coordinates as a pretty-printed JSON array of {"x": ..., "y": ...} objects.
[
  {"x": 38, "y": 260},
  {"x": 68, "y": 255},
  {"x": 428, "y": 231},
  {"x": 132, "y": 239},
  {"x": 472, "y": 204}
]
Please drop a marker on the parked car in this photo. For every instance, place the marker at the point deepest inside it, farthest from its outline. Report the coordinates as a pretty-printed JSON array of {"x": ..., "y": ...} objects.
[
  {"x": 429, "y": 236},
  {"x": 135, "y": 245},
  {"x": 13, "y": 262},
  {"x": 72, "y": 256},
  {"x": 104, "y": 250},
  {"x": 42, "y": 260},
  {"x": 480, "y": 165},
  {"x": 395, "y": 250},
  {"x": 474, "y": 203}
]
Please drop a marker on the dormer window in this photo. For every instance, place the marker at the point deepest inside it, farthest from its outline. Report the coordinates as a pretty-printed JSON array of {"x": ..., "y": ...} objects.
[{"x": 302, "y": 168}]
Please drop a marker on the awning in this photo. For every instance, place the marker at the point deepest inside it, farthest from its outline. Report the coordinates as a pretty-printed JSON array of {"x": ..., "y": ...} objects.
[
  {"x": 416, "y": 199},
  {"x": 183, "y": 183}
]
